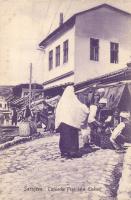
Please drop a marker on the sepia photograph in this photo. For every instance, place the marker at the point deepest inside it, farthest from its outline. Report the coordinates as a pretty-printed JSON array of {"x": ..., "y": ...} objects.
[{"x": 65, "y": 100}]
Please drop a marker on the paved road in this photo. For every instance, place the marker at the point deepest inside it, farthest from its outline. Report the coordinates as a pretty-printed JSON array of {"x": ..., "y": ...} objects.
[
  {"x": 124, "y": 192},
  {"x": 35, "y": 171}
]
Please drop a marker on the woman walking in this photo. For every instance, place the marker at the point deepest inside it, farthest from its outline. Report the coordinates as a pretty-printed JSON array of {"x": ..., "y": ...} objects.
[{"x": 70, "y": 114}]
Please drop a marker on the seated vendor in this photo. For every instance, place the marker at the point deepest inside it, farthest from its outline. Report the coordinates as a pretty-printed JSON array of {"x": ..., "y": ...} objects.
[
  {"x": 93, "y": 119},
  {"x": 113, "y": 118},
  {"x": 120, "y": 130}
]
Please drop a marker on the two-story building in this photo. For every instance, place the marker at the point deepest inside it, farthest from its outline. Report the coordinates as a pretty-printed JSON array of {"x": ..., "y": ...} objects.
[{"x": 88, "y": 45}]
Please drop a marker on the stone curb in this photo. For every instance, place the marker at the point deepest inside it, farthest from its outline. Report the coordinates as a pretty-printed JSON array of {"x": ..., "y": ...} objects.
[
  {"x": 20, "y": 139},
  {"x": 124, "y": 190},
  {"x": 16, "y": 140}
]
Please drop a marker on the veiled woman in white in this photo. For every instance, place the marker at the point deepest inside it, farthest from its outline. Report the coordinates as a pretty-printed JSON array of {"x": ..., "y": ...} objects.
[{"x": 70, "y": 114}]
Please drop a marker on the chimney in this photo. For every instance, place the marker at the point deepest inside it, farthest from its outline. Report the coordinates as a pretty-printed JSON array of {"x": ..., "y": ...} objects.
[
  {"x": 129, "y": 64},
  {"x": 61, "y": 19}
]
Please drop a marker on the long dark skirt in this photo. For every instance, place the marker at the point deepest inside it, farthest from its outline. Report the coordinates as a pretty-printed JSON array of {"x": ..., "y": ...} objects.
[
  {"x": 95, "y": 136},
  {"x": 69, "y": 139}
]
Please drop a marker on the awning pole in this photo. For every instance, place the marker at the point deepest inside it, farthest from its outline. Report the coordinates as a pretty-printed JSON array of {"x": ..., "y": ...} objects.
[{"x": 30, "y": 85}]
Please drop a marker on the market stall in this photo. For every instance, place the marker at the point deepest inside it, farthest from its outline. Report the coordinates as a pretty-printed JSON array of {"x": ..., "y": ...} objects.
[{"x": 118, "y": 95}]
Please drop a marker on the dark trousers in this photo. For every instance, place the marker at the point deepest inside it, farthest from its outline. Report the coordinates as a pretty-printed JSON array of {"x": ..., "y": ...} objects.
[
  {"x": 69, "y": 139},
  {"x": 95, "y": 136}
]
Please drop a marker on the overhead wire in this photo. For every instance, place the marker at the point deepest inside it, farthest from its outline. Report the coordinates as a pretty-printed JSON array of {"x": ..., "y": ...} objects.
[
  {"x": 45, "y": 15},
  {"x": 68, "y": 8},
  {"x": 54, "y": 18},
  {"x": 39, "y": 55},
  {"x": 48, "y": 6}
]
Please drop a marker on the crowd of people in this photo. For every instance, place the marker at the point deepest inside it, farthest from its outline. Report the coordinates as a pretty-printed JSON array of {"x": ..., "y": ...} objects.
[
  {"x": 95, "y": 122},
  {"x": 98, "y": 125},
  {"x": 43, "y": 118}
]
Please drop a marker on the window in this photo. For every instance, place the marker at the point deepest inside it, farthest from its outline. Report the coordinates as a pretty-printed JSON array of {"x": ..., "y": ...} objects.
[
  {"x": 0, "y": 105},
  {"x": 65, "y": 51},
  {"x": 50, "y": 59},
  {"x": 94, "y": 49},
  {"x": 57, "y": 56},
  {"x": 114, "y": 52}
]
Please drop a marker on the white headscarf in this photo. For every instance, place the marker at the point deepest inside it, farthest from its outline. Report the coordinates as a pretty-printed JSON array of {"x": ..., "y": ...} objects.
[
  {"x": 125, "y": 115},
  {"x": 70, "y": 110}
]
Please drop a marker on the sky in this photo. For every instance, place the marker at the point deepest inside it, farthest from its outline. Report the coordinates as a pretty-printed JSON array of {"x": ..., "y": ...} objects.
[{"x": 25, "y": 23}]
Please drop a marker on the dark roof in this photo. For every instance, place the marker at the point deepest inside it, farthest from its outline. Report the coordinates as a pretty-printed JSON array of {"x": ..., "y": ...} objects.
[
  {"x": 18, "y": 88},
  {"x": 57, "y": 32},
  {"x": 70, "y": 73},
  {"x": 71, "y": 21},
  {"x": 26, "y": 85},
  {"x": 119, "y": 75},
  {"x": 56, "y": 90}
]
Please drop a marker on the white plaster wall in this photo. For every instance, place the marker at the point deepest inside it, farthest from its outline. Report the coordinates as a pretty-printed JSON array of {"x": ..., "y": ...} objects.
[
  {"x": 63, "y": 68},
  {"x": 107, "y": 26}
]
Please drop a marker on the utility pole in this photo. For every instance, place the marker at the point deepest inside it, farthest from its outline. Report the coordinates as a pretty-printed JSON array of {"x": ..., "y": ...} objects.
[{"x": 30, "y": 85}]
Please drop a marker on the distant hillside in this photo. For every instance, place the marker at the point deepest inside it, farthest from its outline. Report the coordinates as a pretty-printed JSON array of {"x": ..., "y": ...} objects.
[{"x": 6, "y": 90}]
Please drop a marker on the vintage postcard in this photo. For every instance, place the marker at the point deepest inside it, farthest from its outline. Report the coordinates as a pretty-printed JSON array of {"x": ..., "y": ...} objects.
[{"x": 65, "y": 99}]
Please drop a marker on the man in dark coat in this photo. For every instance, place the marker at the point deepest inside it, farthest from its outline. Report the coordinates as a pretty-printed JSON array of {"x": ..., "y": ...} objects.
[{"x": 14, "y": 117}]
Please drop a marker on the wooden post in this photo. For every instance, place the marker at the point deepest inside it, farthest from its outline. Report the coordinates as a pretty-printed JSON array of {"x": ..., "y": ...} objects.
[{"x": 30, "y": 85}]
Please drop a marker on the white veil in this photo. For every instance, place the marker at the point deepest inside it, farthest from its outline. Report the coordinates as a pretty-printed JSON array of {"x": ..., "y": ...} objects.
[{"x": 70, "y": 110}]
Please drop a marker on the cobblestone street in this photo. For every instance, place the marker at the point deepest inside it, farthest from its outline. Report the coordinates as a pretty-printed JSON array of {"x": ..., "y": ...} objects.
[{"x": 35, "y": 171}]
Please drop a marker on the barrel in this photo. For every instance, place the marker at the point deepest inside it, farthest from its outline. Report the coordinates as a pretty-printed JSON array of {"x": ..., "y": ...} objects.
[{"x": 24, "y": 129}]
